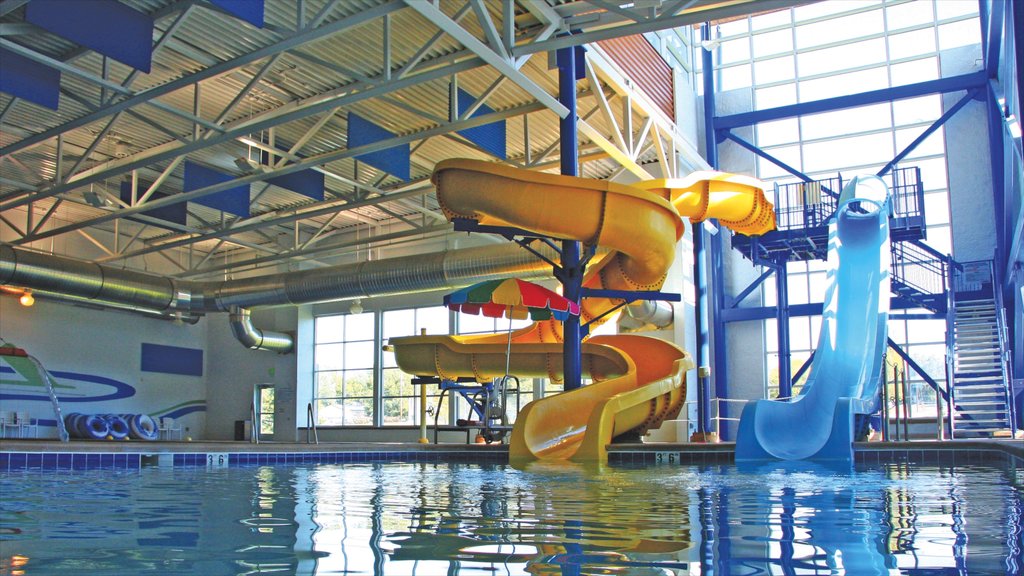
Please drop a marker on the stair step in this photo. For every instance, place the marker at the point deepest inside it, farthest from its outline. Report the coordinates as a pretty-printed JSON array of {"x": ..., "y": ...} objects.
[
  {"x": 978, "y": 395},
  {"x": 977, "y": 355},
  {"x": 978, "y": 433},
  {"x": 978, "y": 364},
  {"x": 989, "y": 363},
  {"x": 967, "y": 391},
  {"x": 965, "y": 403},
  {"x": 978, "y": 350},
  {"x": 973, "y": 367},
  {"x": 993, "y": 374},
  {"x": 990, "y": 346},
  {"x": 975, "y": 304},
  {"x": 976, "y": 324},
  {"x": 975, "y": 330},
  {"x": 978, "y": 383},
  {"x": 982, "y": 335}
]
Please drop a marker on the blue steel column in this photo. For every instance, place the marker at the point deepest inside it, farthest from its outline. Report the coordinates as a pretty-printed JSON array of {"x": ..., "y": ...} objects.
[
  {"x": 716, "y": 304},
  {"x": 782, "y": 329},
  {"x": 700, "y": 272},
  {"x": 572, "y": 279},
  {"x": 702, "y": 349},
  {"x": 720, "y": 360}
]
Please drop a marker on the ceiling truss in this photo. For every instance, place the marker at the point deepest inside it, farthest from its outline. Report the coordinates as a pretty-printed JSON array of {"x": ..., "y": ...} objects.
[{"x": 284, "y": 92}]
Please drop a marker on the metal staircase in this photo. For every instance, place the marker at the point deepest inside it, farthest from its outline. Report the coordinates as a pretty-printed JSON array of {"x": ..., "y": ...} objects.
[
  {"x": 981, "y": 402},
  {"x": 977, "y": 384}
]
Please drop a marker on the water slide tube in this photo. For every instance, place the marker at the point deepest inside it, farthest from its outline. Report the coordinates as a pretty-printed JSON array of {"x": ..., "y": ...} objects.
[
  {"x": 846, "y": 372},
  {"x": 638, "y": 381}
]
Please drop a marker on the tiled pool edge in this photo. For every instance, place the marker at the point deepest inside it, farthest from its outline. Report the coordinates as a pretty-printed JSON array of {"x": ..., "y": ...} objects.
[
  {"x": 12, "y": 461},
  {"x": 959, "y": 452},
  {"x": 946, "y": 453}
]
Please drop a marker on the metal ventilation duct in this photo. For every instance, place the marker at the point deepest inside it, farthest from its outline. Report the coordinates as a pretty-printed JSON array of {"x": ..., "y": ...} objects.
[
  {"x": 99, "y": 284},
  {"x": 252, "y": 337}
]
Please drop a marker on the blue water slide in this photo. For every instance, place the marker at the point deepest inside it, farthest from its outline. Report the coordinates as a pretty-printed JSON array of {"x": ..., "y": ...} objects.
[{"x": 847, "y": 369}]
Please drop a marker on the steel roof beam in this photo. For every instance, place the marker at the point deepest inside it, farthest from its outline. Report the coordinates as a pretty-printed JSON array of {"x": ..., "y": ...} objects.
[
  {"x": 320, "y": 250},
  {"x": 347, "y": 95},
  {"x": 291, "y": 168},
  {"x": 102, "y": 82},
  {"x": 144, "y": 96},
  {"x": 336, "y": 206},
  {"x": 606, "y": 25},
  {"x": 453, "y": 29}
]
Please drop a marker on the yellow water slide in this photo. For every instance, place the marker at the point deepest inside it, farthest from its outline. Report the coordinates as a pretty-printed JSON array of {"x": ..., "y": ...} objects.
[{"x": 638, "y": 381}]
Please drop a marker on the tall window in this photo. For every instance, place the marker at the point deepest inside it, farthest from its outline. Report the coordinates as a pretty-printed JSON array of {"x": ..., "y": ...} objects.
[
  {"x": 345, "y": 354},
  {"x": 400, "y": 399},
  {"x": 828, "y": 49}
]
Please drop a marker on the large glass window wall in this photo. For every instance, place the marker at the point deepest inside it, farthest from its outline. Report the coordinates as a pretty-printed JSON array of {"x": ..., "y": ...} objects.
[{"x": 834, "y": 48}]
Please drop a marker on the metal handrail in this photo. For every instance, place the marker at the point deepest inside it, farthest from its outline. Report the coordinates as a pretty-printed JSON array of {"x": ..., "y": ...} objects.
[
  {"x": 62, "y": 431},
  {"x": 311, "y": 424},
  {"x": 254, "y": 430},
  {"x": 923, "y": 270},
  {"x": 1004, "y": 346},
  {"x": 950, "y": 346},
  {"x": 717, "y": 411}
]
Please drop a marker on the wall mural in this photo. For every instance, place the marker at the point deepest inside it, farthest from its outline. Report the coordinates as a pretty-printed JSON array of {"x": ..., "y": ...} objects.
[{"x": 76, "y": 388}]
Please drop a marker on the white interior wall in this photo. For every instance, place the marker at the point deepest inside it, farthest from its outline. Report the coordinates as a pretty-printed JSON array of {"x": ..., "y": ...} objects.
[
  {"x": 102, "y": 351},
  {"x": 233, "y": 370},
  {"x": 969, "y": 168}
]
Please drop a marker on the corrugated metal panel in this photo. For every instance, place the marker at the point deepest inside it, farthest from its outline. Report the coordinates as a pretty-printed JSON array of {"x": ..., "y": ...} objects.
[{"x": 642, "y": 63}]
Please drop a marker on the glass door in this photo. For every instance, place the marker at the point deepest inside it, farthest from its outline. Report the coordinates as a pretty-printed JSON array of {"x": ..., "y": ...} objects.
[{"x": 264, "y": 401}]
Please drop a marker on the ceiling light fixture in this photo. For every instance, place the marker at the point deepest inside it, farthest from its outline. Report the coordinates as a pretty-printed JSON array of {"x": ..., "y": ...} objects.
[
  {"x": 27, "y": 299},
  {"x": 356, "y": 307}
]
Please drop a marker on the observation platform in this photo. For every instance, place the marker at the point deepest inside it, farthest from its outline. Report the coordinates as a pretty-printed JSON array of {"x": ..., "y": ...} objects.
[{"x": 803, "y": 210}]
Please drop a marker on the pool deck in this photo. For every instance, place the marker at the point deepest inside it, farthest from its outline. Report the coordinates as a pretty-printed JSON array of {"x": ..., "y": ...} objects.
[{"x": 922, "y": 450}]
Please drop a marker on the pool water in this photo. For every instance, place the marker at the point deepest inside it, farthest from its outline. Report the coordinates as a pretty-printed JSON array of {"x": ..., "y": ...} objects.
[{"x": 434, "y": 519}]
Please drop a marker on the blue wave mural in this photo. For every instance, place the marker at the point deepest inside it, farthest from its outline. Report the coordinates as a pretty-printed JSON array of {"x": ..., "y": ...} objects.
[{"x": 120, "y": 389}]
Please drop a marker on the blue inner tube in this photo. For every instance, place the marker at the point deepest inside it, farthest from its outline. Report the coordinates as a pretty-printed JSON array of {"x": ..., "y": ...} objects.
[
  {"x": 143, "y": 427},
  {"x": 70, "y": 423},
  {"x": 78, "y": 423},
  {"x": 118, "y": 427},
  {"x": 93, "y": 426}
]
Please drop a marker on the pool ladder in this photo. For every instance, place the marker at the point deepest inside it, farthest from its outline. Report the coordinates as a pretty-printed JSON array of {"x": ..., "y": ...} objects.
[
  {"x": 311, "y": 424},
  {"x": 254, "y": 430}
]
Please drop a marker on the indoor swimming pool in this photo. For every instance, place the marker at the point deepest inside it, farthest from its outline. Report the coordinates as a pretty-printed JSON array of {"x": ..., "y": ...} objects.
[{"x": 431, "y": 518}]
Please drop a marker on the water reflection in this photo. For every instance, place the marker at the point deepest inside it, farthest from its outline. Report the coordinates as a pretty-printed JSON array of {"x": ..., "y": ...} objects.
[{"x": 432, "y": 519}]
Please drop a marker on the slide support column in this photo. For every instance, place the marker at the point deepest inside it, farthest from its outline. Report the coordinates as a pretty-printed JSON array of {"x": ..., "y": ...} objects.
[
  {"x": 572, "y": 271},
  {"x": 782, "y": 328}
]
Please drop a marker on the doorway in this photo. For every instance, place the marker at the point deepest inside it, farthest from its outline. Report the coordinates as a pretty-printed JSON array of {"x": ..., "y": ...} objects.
[{"x": 263, "y": 400}]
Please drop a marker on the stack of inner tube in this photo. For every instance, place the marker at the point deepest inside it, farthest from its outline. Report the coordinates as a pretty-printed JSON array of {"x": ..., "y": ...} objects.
[{"x": 111, "y": 426}]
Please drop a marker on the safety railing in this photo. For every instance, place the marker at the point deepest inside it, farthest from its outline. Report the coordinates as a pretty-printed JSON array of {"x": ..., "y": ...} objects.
[
  {"x": 1006, "y": 359},
  {"x": 975, "y": 277},
  {"x": 907, "y": 192},
  {"x": 51, "y": 385},
  {"x": 311, "y": 424},
  {"x": 254, "y": 430},
  {"x": 716, "y": 419},
  {"x": 800, "y": 205},
  {"x": 920, "y": 272}
]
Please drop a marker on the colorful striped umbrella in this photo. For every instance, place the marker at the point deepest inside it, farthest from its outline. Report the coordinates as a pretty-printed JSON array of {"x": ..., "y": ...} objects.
[{"x": 511, "y": 298}]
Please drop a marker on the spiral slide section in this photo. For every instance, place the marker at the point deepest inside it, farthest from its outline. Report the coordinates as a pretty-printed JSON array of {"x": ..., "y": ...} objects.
[
  {"x": 638, "y": 382},
  {"x": 846, "y": 372}
]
